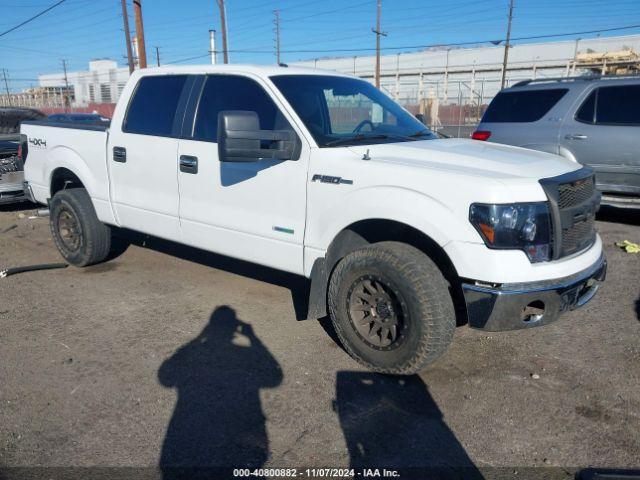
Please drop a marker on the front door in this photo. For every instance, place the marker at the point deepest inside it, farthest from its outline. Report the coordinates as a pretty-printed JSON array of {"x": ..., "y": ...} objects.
[
  {"x": 605, "y": 135},
  {"x": 254, "y": 211},
  {"x": 143, "y": 157}
]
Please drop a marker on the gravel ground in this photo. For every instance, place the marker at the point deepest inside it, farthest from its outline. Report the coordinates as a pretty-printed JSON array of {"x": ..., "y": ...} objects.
[{"x": 169, "y": 355}]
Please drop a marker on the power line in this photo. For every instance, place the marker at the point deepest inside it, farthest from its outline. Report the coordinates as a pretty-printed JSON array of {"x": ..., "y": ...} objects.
[{"x": 32, "y": 18}]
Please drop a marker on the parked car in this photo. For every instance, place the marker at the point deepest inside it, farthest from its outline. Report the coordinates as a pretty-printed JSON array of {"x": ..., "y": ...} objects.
[
  {"x": 594, "y": 121},
  {"x": 322, "y": 175},
  {"x": 11, "y": 165},
  {"x": 92, "y": 118}
]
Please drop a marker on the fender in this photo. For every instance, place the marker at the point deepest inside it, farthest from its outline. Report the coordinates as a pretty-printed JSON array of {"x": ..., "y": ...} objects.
[
  {"x": 432, "y": 218},
  {"x": 65, "y": 157},
  {"x": 442, "y": 223}
]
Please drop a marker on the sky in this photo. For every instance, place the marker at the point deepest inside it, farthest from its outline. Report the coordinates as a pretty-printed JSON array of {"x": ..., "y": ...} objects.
[{"x": 81, "y": 30}]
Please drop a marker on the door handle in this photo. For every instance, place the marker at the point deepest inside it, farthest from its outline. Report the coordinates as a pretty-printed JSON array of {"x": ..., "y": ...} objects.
[
  {"x": 575, "y": 136},
  {"x": 188, "y": 164},
  {"x": 120, "y": 154}
]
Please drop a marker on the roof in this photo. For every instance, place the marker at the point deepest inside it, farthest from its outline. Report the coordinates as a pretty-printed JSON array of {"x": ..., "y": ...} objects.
[
  {"x": 552, "y": 82},
  {"x": 259, "y": 70}
]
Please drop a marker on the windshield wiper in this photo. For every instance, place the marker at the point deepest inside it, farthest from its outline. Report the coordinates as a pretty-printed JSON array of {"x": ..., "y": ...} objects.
[
  {"x": 357, "y": 138},
  {"x": 420, "y": 133}
]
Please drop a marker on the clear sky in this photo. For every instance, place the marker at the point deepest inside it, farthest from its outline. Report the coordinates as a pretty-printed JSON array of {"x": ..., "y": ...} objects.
[{"x": 81, "y": 30}]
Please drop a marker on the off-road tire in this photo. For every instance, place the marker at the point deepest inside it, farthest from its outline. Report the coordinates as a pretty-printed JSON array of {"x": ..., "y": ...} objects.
[
  {"x": 428, "y": 308},
  {"x": 95, "y": 236}
]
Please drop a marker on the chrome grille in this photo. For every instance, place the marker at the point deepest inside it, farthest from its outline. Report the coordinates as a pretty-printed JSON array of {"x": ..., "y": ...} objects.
[{"x": 570, "y": 194}]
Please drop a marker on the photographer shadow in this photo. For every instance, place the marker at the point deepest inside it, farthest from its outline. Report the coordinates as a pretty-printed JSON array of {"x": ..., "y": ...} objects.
[
  {"x": 394, "y": 423},
  {"x": 218, "y": 423}
]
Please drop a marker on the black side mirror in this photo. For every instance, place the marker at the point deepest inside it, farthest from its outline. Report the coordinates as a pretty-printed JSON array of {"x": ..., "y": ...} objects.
[
  {"x": 420, "y": 117},
  {"x": 241, "y": 140}
]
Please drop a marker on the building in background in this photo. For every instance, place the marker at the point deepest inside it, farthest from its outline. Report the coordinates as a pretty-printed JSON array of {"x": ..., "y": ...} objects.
[
  {"x": 451, "y": 86},
  {"x": 102, "y": 83}
]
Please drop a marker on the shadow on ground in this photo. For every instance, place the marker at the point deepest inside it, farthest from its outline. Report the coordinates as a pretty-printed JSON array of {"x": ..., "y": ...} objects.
[
  {"x": 218, "y": 420},
  {"x": 218, "y": 423},
  {"x": 298, "y": 286},
  {"x": 629, "y": 216},
  {"x": 18, "y": 207},
  {"x": 393, "y": 422}
]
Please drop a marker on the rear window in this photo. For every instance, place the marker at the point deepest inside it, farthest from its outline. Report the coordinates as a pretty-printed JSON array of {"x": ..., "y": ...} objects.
[
  {"x": 618, "y": 105},
  {"x": 153, "y": 107},
  {"x": 525, "y": 106}
]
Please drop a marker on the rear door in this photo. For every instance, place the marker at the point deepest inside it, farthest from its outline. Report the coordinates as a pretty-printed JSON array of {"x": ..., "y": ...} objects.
[
  {"x": 604, "y": 133},
  {"x": 143, "y": 156},
  {"x": 256, "y": 210}
]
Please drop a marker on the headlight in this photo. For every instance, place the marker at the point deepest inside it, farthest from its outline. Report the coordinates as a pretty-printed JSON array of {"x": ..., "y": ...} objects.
[{"x": 521, "y": 226}]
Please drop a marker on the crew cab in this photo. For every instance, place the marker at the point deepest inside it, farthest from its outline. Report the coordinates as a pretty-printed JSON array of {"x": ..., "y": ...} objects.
[{"x": 402, "y": 235}]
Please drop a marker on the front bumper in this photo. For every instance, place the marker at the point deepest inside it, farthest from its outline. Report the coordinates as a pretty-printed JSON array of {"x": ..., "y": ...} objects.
[{"x": 524, "y": 305}]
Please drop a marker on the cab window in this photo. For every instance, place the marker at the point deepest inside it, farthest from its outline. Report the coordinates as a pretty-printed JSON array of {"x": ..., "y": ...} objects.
[
  {"x": 234, "y": 92},
  {"x": 152, "y": 109}
]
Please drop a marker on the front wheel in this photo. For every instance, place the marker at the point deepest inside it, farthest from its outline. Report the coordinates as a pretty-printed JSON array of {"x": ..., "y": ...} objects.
[
  {"x": 391, "y": 308},
  {"x": 81, "y": 238}
]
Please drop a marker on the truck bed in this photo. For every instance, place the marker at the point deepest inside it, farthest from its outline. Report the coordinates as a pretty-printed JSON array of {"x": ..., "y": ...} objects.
[{"x": 79, "y": 147}]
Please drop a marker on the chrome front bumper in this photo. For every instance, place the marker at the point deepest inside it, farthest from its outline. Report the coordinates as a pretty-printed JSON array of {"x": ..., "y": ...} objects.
[{"x": 524, "y": 305}]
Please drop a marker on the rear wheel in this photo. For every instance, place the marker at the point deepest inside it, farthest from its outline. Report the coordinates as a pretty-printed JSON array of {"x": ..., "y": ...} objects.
[
  {"x": 81, "y": 238},
  {"x": 391, "y": 308}
]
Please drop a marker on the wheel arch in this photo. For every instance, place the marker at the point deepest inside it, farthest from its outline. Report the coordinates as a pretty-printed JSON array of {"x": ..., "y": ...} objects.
[
  {"x": 62, "y": 178},
  {"x": 361, "y": 233}
]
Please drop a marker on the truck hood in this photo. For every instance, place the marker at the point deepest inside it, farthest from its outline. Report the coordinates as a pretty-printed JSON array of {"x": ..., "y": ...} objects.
[{"x": 471, "y": 157}]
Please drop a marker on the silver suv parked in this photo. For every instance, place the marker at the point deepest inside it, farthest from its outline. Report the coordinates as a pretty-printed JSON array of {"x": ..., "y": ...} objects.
[{"x": 591, "y": 120}]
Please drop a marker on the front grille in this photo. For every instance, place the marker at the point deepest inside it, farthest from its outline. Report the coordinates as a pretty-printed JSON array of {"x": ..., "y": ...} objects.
[
  {"x": 579, "y": 236},
  {"x": 570, "y": 194},
  {"x": 573, "y": 200}
]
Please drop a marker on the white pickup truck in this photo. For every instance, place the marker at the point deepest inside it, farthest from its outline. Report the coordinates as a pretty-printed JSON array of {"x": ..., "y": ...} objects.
[{"x": 402, "y": 235}]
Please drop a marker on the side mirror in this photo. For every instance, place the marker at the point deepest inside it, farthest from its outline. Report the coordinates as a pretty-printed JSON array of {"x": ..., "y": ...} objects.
[
  {"x": 241, "y": 140},
  {"x": 420, "y": 117}
]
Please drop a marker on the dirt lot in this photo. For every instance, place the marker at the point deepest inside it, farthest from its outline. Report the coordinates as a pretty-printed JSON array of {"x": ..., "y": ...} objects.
[{"x": 169, "y": 355}]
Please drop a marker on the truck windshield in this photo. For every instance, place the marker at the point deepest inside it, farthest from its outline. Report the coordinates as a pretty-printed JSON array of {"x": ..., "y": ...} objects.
[{"x": 341, "y": 111}]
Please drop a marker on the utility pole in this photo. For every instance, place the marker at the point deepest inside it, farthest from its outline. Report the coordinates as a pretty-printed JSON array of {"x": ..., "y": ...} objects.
[
  {"x": 6, "y": 86},
  {"x": 127, "y": 35},
  {"x": 158, "y": 55},
  {"x": 212, "y": 46},
  {"x": 378, "y": 32},
  {"x": 223, "y": 22},
  {"x": 276, "y": 20},
  {"x": 142, "y": 51},
  {"x": 506, "y": 46},
  {"x": 66, "y": 87}
]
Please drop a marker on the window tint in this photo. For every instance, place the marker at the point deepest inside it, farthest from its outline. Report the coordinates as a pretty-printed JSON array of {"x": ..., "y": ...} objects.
[
  {"x": 229, "y": 92},
  {"x": 586, "y": 111},
  {"x": 619, "y": 105},
  {"x": 525, "y": 106},
  {"x": 153, "y": 107}
]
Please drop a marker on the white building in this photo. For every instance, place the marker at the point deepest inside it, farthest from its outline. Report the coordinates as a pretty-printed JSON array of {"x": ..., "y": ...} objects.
[
  {"x": 102, "y": 83},
  {"x": 447, "y": 72}
]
